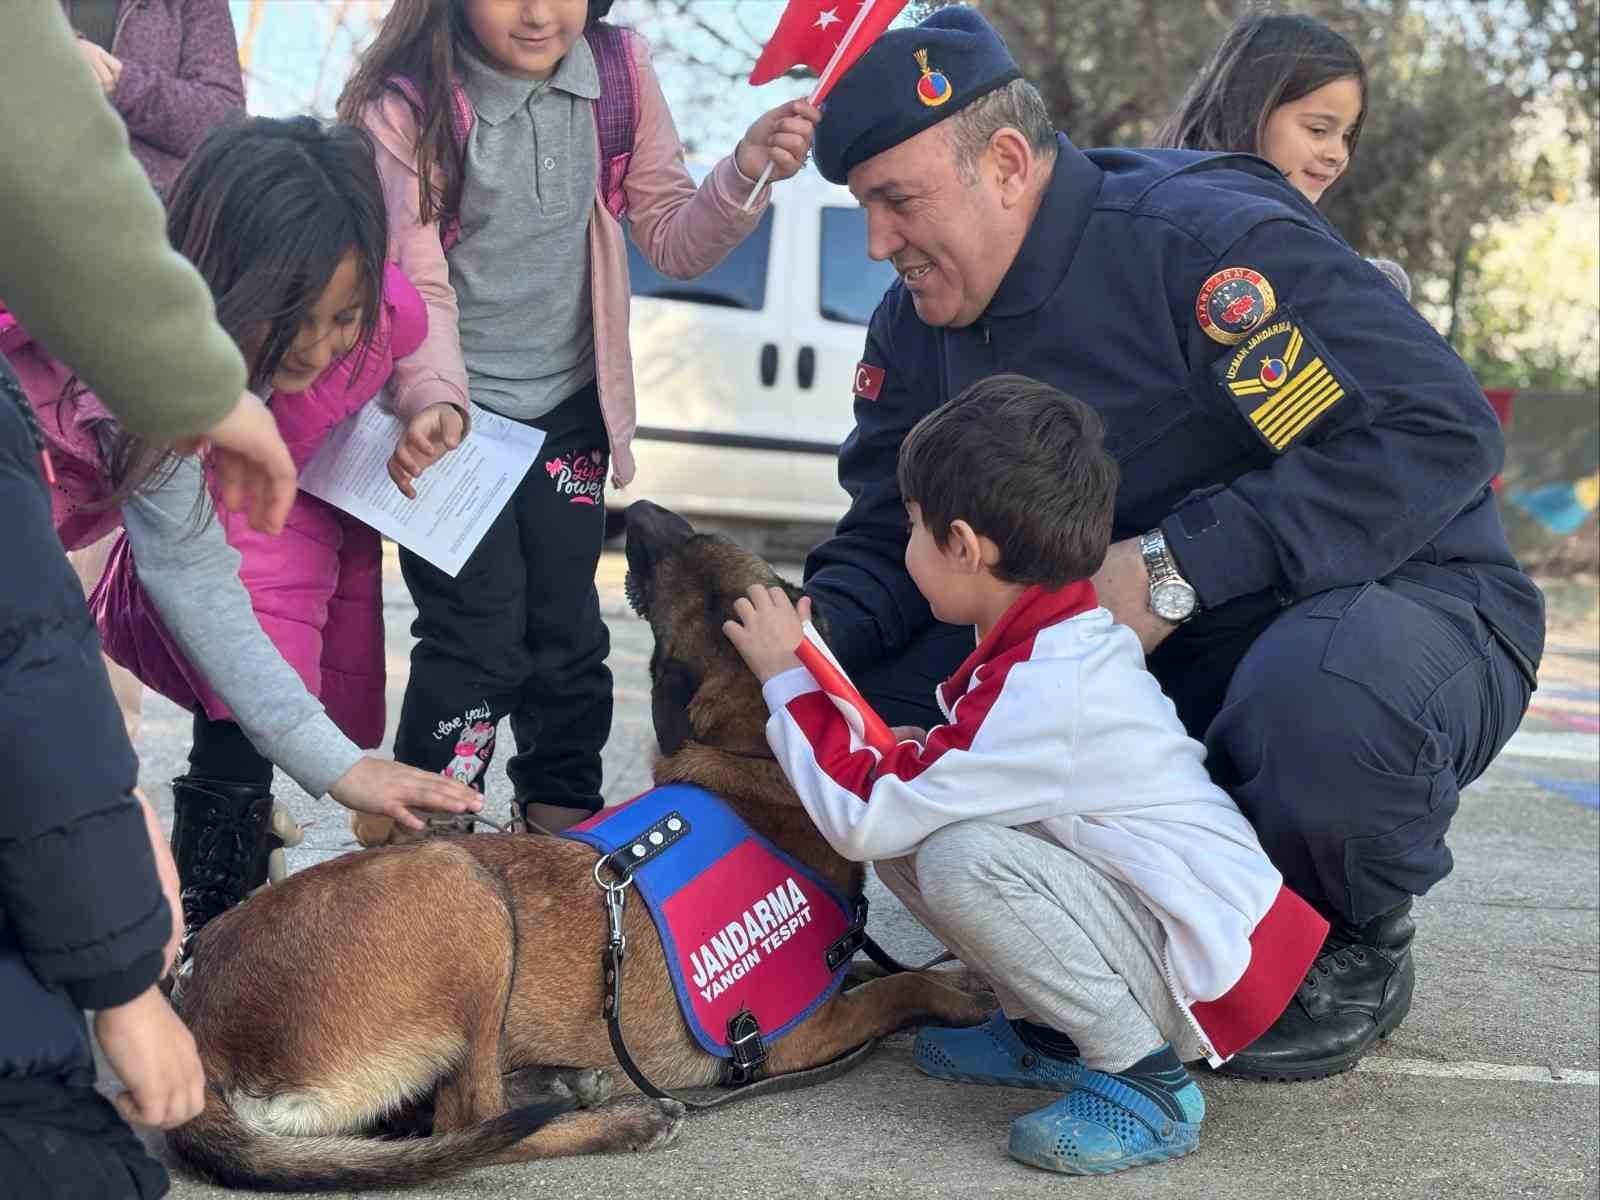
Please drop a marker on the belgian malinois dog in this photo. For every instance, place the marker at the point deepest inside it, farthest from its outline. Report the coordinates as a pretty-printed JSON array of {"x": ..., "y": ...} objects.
[{"x": 324, "y": 1021}]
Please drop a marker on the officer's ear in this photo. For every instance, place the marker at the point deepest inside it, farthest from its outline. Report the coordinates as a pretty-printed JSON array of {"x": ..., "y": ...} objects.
[{"x": 1013, "y": 164}]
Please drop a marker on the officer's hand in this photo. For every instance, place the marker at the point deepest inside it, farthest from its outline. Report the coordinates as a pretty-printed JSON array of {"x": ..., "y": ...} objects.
[{"x": 1123, "y": 586}]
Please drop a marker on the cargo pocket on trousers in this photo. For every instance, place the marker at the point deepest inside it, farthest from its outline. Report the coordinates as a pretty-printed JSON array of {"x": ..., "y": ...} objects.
[{"x": 1385, "y": 870}]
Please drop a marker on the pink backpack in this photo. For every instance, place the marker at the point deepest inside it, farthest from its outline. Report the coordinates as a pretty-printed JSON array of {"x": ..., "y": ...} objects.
[{"x": 616, "y": 116}]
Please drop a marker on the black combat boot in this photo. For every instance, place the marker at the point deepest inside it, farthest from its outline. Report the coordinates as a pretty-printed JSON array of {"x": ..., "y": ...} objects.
[
  {"x": 222, "y": 839},
  {"x": 1357, "y": 991}
]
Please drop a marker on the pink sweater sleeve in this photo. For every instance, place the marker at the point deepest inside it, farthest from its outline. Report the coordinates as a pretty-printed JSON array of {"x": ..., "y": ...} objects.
[
  {"x": 684, "y": 231},
  {"x": 435, "y": 373}
]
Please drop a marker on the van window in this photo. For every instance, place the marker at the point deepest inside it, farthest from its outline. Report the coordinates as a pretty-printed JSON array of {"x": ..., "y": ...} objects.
[
  {"x": 852, "y": 284},
  {"x": 738, "y": 281}
]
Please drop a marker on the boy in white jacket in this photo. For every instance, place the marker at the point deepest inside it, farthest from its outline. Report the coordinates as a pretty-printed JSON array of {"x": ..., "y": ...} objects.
[{"x": 1060, "y": 834}]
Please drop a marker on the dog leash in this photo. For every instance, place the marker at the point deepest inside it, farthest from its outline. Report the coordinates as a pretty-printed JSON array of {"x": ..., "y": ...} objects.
[{"x": 740, "y": 1079}]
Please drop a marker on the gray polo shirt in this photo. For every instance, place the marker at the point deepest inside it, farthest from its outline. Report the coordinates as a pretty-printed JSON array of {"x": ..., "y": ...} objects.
[{"x": 521, "y": 269}]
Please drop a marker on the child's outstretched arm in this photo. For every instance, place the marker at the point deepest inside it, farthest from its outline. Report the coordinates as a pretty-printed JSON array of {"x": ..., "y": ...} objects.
[
  {"x": 993, "y": 762},
  {"x": 683, "y": 230},
  {"x": 191, "y": 578}
]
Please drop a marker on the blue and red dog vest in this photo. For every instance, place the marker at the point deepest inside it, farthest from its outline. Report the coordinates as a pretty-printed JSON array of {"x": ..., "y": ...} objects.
[{"x": 744, "y": 925}]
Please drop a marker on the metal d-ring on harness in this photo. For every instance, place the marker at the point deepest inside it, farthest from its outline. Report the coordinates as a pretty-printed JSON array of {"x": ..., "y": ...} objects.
[{"x": 742, "y": 1075}]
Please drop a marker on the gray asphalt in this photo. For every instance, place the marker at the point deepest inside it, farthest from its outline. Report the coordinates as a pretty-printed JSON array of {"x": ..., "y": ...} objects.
[{"x": 1489, "y": 1089}]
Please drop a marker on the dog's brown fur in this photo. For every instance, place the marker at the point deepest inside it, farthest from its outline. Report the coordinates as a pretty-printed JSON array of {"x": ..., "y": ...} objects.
[{"x": 363, "y": 987}]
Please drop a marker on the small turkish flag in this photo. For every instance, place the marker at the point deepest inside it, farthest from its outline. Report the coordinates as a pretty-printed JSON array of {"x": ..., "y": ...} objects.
[
  {"x": 868, "y": 380},
  {"x": 826, "y": 35}
]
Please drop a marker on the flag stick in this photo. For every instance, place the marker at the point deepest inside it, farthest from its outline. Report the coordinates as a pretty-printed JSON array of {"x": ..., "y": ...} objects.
[{"x": 824, "y": 82}]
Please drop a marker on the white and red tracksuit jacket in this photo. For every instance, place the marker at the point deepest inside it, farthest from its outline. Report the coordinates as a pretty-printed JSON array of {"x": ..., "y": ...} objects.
[{"x": 1055, "y": 722}]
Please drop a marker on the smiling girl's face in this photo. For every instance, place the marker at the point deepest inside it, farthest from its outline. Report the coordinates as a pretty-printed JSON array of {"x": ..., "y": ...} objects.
[
  {"x": 527, "y": 38},
  {"x": 328, "y": 332},
  {"x": 1309, "y": 139}
]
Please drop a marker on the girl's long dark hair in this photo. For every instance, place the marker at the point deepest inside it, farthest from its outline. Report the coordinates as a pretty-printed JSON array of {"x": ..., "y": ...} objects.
[
  {"x": 1264, "y": 61},
  {"x": 421, "y": 39},
  {"x": 266, "y": 210}
]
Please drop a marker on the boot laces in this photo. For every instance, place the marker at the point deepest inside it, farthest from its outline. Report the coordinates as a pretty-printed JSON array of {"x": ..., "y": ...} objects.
[{"x": 1342, "y": 950}]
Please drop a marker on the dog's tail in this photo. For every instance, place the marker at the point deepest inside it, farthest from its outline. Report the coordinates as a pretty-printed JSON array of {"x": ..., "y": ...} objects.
[{"x": 233, "y": 1153}]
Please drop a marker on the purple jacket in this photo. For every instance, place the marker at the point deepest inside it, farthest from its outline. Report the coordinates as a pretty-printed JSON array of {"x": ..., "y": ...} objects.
[{"x": 180, "y": 77}]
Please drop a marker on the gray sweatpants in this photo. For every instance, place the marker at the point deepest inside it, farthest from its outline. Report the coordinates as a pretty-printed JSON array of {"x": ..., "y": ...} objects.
[{"x": 1060, "y": 942}]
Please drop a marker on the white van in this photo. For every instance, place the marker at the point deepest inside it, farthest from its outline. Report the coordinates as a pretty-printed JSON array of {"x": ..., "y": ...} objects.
[{"x": 744, "y": 375}]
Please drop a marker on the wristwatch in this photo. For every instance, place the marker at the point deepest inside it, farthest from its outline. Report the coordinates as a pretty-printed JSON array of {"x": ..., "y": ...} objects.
[{"x": 1171, "y": 596}]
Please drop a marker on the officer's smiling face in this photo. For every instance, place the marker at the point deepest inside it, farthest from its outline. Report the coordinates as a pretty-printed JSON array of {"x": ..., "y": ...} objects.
[{"x": 952, "y": 240}]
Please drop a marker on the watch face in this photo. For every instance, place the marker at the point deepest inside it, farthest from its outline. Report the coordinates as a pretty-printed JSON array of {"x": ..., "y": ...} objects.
[{"x": 1172, "y": 601}]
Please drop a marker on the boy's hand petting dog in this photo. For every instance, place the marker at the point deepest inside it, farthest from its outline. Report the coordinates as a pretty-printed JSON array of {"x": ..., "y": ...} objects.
[
  {"x": 154, "y": 1055},
  {"x": 399, "y": 792},
  {"x": 429, "y": 436},
  {"x": 766, "y": 628}
]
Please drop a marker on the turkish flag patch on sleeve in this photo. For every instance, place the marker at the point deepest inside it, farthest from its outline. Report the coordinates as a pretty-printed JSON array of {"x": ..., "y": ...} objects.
[{"x": 869, "y": 380}]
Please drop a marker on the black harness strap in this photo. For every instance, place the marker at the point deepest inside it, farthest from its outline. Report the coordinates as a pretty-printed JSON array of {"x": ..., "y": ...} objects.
[{"x": 741, "y": 1077}]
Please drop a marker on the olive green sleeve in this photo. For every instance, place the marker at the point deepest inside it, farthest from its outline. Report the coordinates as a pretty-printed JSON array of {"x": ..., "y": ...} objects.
[{"x": 84, "y": 261}]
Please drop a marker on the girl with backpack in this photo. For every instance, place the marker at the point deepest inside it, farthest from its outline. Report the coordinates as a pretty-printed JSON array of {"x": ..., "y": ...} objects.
[
  {"x": 274, "y": 643},
  {"x": 513, "y": 137}
]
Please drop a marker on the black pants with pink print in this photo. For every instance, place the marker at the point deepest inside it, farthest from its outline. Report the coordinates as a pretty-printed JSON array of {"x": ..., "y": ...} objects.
[{"x": 518, "y": 632}]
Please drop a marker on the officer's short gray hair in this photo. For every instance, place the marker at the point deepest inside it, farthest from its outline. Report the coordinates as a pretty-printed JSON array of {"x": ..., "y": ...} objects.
[{"x": 1018, "y": 106}]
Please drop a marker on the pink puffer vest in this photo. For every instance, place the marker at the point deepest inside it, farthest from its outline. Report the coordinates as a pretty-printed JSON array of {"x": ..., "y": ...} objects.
[
  {"x": 317, "y": 588},
  {"x": 67, "y": 415}
]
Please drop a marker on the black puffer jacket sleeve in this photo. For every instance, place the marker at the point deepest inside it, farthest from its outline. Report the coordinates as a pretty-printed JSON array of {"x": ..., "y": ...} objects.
[{"x": 78, "y": 885}]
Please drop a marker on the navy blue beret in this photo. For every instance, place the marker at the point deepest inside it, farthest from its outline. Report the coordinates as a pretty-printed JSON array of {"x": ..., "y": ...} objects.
[{"x": 907, "y": 81}]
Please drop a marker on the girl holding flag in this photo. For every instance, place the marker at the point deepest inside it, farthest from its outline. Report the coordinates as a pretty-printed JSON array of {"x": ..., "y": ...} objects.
[{"x": 513, "y": 136}]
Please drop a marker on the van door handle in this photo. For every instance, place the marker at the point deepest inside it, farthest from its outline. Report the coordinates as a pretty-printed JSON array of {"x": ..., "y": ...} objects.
[
  {"x": 806, "y": 366},
  {"x": 769, "y": 364}
]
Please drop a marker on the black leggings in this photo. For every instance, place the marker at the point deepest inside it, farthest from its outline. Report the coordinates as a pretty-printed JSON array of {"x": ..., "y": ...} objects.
[{"x": 223, "y": 753}]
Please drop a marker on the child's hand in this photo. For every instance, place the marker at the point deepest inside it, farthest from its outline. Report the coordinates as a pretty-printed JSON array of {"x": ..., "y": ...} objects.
[
  {"x": 154, "y": 1055},
  {"x": 391, "y": 789},
  {"x": 782, "y": 137},
  {"x": 429, "y": 436},
  {"x": 910, "y": 733},
  {"x": 766, "y": 628}
]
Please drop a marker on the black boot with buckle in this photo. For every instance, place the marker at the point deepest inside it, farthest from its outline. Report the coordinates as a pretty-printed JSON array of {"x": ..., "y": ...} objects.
[
  {"x": 221, "y": 838},
  {"x": 1358, "y": 990}
]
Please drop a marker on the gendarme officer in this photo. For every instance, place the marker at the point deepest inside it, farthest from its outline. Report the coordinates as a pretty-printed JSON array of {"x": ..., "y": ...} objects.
[{"x": 1307, "y": 545}]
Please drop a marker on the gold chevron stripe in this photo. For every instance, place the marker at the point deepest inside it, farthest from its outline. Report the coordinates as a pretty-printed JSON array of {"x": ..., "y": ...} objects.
[
  {"x": 1310, "y": 415},
  {"x": 1314, "y": 373},
  {"x": 1285, "y": 418},
  {"x": 1248, "y": 387},
  {"x": 1293, "y": 352}
]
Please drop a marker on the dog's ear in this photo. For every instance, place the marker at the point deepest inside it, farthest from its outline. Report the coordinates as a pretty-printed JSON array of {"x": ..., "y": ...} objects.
[{"x": 672, "y": 688}]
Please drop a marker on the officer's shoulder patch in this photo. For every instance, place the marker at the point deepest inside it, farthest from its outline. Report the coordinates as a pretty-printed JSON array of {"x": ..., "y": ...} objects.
[
  {"x": 1232, "y": 302},
  {"x": 868, "y": 381},
  {"x": 1281, "y": 380}
]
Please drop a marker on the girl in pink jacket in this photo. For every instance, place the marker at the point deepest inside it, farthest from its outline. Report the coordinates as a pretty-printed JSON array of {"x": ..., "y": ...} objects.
[
  {"x": 512, "y": 139},
  {"x": 274, "y": 643}
]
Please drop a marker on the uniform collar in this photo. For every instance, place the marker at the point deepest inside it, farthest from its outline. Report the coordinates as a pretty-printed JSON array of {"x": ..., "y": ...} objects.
[
  {"x": 1032, "y": 611},
  {"x": 1052, "y": 240},
  {"x": 497, "y": 97}
]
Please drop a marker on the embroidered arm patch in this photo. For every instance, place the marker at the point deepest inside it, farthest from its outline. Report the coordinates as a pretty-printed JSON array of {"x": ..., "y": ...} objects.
[{"x": 1282, "y": 381}]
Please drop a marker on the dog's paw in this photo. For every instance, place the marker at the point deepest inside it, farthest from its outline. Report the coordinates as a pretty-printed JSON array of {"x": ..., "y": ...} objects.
[
  {"x": 592, "y": 1087},
  {"x": 648, "y": 1125}
]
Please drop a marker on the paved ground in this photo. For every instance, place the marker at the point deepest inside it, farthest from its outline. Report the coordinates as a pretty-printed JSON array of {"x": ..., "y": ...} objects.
[{"x": 1490, "y": 1089}]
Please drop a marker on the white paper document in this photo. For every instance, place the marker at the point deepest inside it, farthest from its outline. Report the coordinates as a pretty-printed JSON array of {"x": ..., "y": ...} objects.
[{"x": 458, "y": 497}]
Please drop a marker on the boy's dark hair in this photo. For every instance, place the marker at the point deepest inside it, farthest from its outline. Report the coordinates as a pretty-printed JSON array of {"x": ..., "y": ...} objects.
[
  {"x": 1265, "y": 60},
  {"x": 1025, "y": 465}
]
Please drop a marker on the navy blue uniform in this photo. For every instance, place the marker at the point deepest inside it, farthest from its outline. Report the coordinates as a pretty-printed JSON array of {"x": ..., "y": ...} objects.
[{"x": 1367, "y": 641}]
